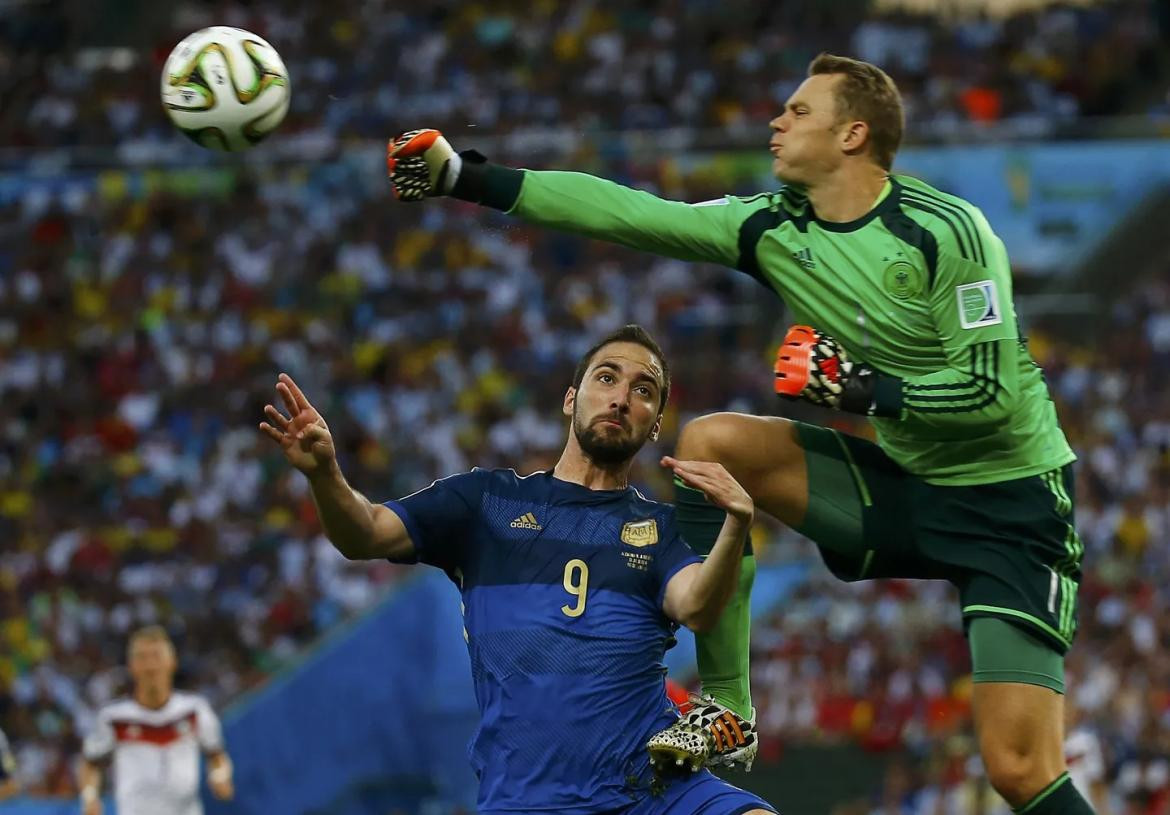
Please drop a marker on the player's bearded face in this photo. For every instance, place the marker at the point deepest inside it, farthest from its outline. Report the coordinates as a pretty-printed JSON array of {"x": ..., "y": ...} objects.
[
  {"x": 616, "y": 407},
  {"x": 602, "y": 441}
]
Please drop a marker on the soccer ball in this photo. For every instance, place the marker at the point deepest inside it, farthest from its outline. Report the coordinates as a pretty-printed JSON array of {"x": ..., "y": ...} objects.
[{"x": 225, "y": 88}]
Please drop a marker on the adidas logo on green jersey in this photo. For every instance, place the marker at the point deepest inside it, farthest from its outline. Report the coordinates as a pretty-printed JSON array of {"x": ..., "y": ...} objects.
[{"x": 805, "y": 259}]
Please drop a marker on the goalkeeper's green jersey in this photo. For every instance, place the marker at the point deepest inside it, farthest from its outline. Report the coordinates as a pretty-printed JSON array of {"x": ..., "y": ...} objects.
[{"x": 919, "y": 288}]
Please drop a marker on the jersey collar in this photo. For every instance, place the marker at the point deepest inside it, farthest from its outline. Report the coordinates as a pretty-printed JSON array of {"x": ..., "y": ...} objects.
[{"x": 887, "y": 201}]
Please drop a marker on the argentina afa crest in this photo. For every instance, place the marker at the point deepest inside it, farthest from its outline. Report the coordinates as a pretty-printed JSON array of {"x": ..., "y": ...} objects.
[{"x": 640, "y": 533}]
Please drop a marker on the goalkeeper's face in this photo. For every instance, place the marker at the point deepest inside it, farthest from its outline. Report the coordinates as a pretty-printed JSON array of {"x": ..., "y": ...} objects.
[
  {"x": 616, "y": 409},
  {"x": 808, "y": 139}
]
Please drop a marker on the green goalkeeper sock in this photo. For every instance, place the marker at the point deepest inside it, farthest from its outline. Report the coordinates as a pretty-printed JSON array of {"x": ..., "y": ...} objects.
[
  {"x": 1060, "y": 798},
  {"x": 724, "y": 651}
]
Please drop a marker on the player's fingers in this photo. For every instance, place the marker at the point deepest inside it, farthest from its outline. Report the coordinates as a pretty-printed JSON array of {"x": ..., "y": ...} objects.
[
  {"x": 686, "y": 469},
  {"x": 708, "y": 467},
  {"x": 717, "y": 478},
  {"x": 705, "y": 469},
  {"x": 301, "y": 423},
  {"x": 286, "y": 396},
  {"x": 693, "y": 480},
  {"x": 276, "y": 417},
  {"x": 719, "y": 487},
  {"x": 313, "y": 433},
  {"x": 301, "y": 402},
  {"x": 679, "y": 465},
  {"x": 271, "y": 432}
]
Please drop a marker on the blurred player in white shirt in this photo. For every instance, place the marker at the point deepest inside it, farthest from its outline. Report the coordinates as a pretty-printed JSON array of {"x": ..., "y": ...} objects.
[
  {"x": 9, "y": 786},
  {"x": 1085, "y": 759},
  {"x": 1086, "y": 765},
  {"x": 155, "y": 738}
]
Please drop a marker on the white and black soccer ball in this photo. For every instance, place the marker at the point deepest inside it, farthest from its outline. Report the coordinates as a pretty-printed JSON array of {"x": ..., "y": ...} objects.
[{"x": 225, "y": 88}]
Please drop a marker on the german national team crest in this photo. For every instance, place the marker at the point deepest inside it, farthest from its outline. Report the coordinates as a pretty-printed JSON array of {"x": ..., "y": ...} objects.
[
  {"x": 640, "y": 533},
  {"x": 902, "y": 280}
]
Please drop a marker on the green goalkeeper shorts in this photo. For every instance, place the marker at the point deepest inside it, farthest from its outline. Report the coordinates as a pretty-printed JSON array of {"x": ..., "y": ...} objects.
[{"x": 1010, "y": 547}]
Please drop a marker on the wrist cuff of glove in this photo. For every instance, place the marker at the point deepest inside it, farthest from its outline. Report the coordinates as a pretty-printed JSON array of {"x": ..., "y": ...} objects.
[
  {"x": 872, "y": 394},
  {"x": 887, "y": 396},
  {"x": 482, "y": 182}
]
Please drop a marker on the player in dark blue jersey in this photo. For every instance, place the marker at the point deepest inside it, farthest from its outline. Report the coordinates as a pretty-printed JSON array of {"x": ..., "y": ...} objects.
[{"x": 573, "y": 584}]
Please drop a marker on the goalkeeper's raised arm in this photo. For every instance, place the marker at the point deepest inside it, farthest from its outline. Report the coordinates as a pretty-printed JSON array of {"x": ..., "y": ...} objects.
[{"x": 421, "y": 164}]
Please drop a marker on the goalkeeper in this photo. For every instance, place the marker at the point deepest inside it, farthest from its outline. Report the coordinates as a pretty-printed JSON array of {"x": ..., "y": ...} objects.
[{"x": 904, "y": 294}]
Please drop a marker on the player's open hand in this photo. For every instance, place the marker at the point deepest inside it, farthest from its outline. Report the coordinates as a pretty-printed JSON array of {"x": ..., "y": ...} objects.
[
  {"x": 713, "y": 480},
  {"x": 303, "y": 435}
]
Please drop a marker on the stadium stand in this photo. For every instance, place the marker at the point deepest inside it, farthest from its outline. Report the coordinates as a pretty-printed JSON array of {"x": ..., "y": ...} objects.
[{"x": 75, "y": 77}]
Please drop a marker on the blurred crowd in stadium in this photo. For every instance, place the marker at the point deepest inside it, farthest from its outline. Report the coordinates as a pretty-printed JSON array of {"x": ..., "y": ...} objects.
[
  {"x": 579, "y": 66},
  {"x": 140, "y": 337}
]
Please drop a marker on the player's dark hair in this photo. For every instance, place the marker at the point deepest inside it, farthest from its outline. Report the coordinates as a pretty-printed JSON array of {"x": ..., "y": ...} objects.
[
  {"x": 866, "y": 93},
  {"x": 637, "y": 335}
]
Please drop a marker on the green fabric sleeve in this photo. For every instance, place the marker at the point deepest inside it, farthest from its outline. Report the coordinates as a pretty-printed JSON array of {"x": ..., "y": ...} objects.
[{"x": 587, "y": 205}]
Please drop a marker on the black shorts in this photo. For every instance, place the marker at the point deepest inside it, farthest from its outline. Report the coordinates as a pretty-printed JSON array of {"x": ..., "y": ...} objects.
[{"x": 1010, "y": 548}]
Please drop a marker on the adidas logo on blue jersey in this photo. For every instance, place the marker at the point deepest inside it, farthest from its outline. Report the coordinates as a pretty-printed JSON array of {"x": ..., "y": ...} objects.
[
  {"x": 526, "y": 521},
  {"x": 805, "y": 259}
]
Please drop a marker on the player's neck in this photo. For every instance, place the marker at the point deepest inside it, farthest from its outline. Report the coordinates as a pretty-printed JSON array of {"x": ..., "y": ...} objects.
[
  {"x": 153, "y": 698},
  {"x": 848, "y": 194},
  {"x": 577, "y": 468}
]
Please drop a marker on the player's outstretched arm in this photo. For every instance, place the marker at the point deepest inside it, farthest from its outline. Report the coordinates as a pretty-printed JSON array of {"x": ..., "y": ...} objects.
[
  {"x": 697, "y": 594},
  {"x": 359, "y": 529},
  {"x": 219, "y": 775},
  {"x": 89, "y": 780},
  {"x": 422, "y": 164}
]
